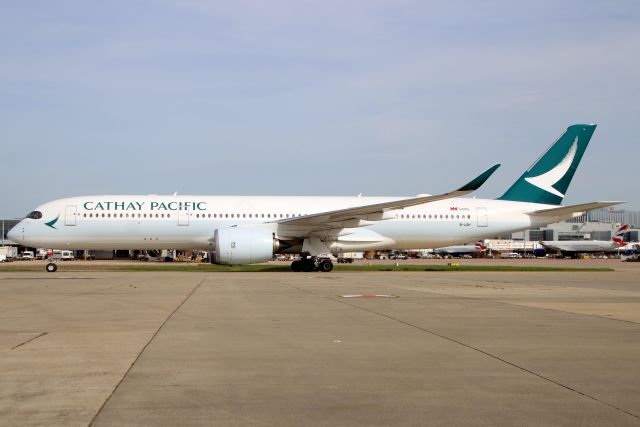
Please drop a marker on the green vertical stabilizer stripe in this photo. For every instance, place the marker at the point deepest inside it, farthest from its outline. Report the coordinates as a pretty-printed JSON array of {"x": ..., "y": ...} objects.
[{"x": 548, "y": 179}]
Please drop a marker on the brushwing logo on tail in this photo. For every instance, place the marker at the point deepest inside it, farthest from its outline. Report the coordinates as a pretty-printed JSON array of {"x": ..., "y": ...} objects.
[{"x": 547, "y": 180}]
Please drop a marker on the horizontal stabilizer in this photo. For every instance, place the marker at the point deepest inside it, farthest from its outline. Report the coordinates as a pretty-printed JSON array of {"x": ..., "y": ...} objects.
[{"x": 568, "y": 211}]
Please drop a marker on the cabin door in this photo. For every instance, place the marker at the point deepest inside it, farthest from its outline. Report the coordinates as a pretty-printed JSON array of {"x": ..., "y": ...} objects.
[
  {"x": 183, "y": 217},
  {"x": 483, "y": 217},
  {"x": 70, "y": 215}
]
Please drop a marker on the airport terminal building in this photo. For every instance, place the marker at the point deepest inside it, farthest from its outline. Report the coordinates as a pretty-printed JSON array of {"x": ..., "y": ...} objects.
[{"x": 5, "y": 226}]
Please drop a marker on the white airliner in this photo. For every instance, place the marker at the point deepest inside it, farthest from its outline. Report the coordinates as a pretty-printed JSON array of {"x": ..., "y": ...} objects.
[
  {"x": 585, "y": 246},
  {"x": 245, "y": 230},
  {"x": 461, "y": 249}
]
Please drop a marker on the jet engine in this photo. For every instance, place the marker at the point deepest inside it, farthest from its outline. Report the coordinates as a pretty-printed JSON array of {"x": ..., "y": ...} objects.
[{"x": 239, "y": 245}]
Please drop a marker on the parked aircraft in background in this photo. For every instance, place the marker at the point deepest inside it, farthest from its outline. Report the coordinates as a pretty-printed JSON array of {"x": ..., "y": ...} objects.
[
  {"x": 245, "y": 230},
  {"x": 460, "y": 249},
  {"x": 572, "y": 247}
]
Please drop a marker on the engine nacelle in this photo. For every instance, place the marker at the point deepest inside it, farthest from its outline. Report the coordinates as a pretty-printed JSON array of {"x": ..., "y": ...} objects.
[{"x": 237, "y": 245}]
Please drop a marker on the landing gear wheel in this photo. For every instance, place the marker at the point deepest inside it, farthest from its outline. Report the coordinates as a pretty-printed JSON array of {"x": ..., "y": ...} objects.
[
  {"x": 296, "y": 266},
  {"x": 308, "y": 265},
  {"x": 51, "y": 267},
  {"x": 326, "y": 266}
]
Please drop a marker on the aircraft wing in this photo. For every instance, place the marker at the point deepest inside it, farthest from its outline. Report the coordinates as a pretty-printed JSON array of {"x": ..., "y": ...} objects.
[
  {"x": 568, "y": 211},
  {"x": 356, "y": 216}
]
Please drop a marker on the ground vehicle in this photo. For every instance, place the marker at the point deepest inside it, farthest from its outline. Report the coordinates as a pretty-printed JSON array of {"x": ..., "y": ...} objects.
[
  {"x": 62, "y": 255},
  {"x": 27, "y": 256},
  {"x": 510, "y": 255},
  {"x": 41, "y": 254},
  {"x": 348, "y": 257},
  {"x": 8, "y": 252}
]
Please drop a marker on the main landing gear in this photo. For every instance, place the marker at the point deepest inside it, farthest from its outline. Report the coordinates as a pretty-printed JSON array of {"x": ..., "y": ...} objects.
[
  {"x": 312, "y": 264},
  {"x": 51, "y": 267}
]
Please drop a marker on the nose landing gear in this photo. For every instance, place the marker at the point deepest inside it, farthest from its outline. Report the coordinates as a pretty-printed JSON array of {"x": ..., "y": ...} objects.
[
  {"x": 51, "y": 267},
  {"x": 312, "y": 264}
]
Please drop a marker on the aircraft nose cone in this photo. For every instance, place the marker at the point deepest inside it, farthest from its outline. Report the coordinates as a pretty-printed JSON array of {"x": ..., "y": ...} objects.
[{"x": 13, "y": 234}]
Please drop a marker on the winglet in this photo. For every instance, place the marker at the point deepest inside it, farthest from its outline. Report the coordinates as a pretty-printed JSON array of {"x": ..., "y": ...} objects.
[{"x": 477, "y": 182}]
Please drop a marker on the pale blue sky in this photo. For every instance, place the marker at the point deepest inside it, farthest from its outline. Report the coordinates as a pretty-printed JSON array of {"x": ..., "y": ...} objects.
[{"x": 320, "y": 98}]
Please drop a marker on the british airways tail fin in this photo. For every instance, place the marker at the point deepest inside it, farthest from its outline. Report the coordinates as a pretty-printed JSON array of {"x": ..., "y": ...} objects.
[
  {"x": 549, "y": 177},
  {"x": 619, "y": 236}
]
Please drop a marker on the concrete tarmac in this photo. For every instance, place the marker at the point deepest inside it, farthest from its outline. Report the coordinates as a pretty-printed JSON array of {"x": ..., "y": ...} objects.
[{"x": 451, "y": 348}]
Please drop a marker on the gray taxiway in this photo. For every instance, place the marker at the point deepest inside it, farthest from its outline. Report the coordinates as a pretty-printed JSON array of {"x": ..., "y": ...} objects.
[{"x": 451, "y": 348}]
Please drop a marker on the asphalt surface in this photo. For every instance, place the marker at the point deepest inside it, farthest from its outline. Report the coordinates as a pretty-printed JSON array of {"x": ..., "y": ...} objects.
[{"x": 163, "y": 348}]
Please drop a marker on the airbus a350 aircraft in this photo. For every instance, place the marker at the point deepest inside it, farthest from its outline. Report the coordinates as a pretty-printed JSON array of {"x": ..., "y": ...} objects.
[{"x": 245, "y": 230}]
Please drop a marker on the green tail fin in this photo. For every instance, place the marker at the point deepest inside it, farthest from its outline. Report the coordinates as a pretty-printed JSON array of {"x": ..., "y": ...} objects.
[{"x": 549, "y": 177}]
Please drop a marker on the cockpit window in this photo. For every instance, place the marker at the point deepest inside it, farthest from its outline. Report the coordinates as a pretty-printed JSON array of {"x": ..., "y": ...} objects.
[{"x": 35, "y": 215}]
